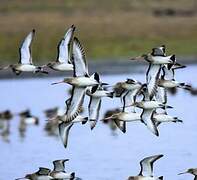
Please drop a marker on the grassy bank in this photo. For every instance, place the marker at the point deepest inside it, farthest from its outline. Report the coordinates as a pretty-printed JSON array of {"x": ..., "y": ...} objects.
[{"x": 111, "y": 29}]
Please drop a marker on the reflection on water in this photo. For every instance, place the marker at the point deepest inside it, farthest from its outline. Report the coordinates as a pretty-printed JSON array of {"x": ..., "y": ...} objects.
[{"x": 93, "y": 154}]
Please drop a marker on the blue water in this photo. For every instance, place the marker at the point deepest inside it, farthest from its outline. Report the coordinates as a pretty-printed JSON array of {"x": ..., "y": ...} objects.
[{"x": 97, "y": 154}]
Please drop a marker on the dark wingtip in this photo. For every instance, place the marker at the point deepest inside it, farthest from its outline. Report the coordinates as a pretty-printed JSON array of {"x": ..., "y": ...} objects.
[
  {"x": 111, "y": 94},
  {"x": 173, "y": 57},
  {"x": 169, "y": 107},
  {"x": 86, "y": 119},
  {"x": 73, "y": 27},
  {"x": 33, "y": 30}
]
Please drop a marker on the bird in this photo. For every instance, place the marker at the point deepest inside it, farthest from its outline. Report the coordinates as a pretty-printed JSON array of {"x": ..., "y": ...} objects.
[
  {"x": 42, "y": 174},
  {"x": 156, "y": 60},
  {"x": 146, "y": 172},
  {"x": 121, "y": 118},
  {"x": 6, "y": 115},
  {"x": 26, "y": 119},
  {"x": 131, "y": 89},
  {"x": 148, "y": 107},
  {"x": 192, "y": 171},
  {"x": 25, "y": 63},
  {"x": 59, "y": 172},
  {"x": 164, "y": 117},
  {"x": 64, "y": 58},
  {"x": 167, "y": 79},
  {"x": 80, "y": 81},
  {"x": 95, "y": 103},
  {"x": 65, "y": 127}
]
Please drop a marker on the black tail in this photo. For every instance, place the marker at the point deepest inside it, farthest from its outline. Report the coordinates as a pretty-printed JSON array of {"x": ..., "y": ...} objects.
[
  {"x": 161, "y": 178},
  {"x": 111, "y": 94},
  {"x": 173, "y": 58},
  {"x": 94, "y": 88},
  {"x": 85, "y": 120},
  {"x": 96, "y": 77},
  {"x": 72, "y": 176}
]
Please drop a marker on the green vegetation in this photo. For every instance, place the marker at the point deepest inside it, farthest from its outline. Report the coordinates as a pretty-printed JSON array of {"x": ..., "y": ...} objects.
[{"x": 107, "y": 29}]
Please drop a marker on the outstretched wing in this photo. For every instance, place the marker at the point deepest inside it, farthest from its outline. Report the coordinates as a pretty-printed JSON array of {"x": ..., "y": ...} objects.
[
  {"x": 147, "y": 119},
  {"x": 64, "y": 129},
  {"x": 161, "y": 95},
  {"x": 65, "y": 46},
  {"x": 43, "y": 171},
  {"x": 25, "y": 49},
  {"x": 94, "y": 108},
  {"x": 75, "y": 103},
  {"x": 128, "y": 99},
  {"x": 147, "y": 165},
  {"x": 59, "y": 164},
  {"x": 152, "y": 76},
  {"x": 167, "y": 74},
  {"x": 79, "y": 60}
]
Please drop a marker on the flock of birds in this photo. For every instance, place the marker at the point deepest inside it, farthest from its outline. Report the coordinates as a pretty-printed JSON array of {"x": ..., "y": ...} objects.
[{"x": 142, "y": 102}]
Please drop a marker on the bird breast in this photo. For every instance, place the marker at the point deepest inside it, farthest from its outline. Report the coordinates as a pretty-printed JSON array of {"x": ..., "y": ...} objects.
[
  {"x": 84, "y": 81},
  {"x": 26, "y": 67},
  {"x": 63, "y": 67}
]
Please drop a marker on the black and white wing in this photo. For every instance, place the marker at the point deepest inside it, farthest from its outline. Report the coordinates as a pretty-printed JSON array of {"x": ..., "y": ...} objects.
[
  {"x": 64, "y": 129},
  {"x": 79, "y": 60},
  {"x": 161, "y": 95},
  {"x": 59, "y": 164},
  {"x": 120, "y": 124},
  {"x": 75, "y": 103},
  {"x": 128, "y": 99},
  {"x": 147, "y": 119},
  {"x": 43, "y": 171},
  {"x": 147, "y": 165},
  {"x": 93, "y": 109},
  {"x": 65, "y": 46},
  {"x": 159, "y": 51},
  {"x": 152, "y": 76},
  {"x": 25, "y": 49},
  {"x": 167, "y": 74}
]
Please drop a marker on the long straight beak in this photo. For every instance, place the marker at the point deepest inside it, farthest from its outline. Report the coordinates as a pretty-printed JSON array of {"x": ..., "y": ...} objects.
[
  {"x": 133, "y": 104},
  {"x": 104, "y": 84},
  {"x": 3, "y": 68},
  {"x": 57, "y": 82},
  {"x": 183, "y": 173},
  {"x": 136, "y": 58}
]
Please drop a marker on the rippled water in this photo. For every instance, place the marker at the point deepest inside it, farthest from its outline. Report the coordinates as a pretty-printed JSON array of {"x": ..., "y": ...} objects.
[{"x": 97, "y": 154}]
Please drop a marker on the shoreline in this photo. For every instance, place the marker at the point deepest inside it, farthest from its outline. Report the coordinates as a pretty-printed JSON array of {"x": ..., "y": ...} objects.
[{"x": 104, "y": 67}]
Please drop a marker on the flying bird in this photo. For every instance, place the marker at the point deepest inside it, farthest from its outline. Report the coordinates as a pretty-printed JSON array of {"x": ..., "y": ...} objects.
[
  {"x": 64, "y": 58},
  {"x": 25, "y": 63},
  {"x": 146, "y": 172}
]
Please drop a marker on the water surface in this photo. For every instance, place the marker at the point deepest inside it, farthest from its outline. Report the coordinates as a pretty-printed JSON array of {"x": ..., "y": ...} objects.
[{"x": 97, "y": 154}]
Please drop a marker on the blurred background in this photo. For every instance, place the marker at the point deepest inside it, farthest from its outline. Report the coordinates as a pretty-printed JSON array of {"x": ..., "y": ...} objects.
[{"x": 108, "y": 29}]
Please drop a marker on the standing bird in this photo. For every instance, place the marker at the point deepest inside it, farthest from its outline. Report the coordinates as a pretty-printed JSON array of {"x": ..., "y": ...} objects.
[
  {"x": 26, "y": 119},
  {"x": 146, "y": 172},
  {"x": 64, "y": 57},
  {"x": 25, "y": 63},
  {"x": 192, "y": 171},
  {"x": 59, "y": 170}
]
